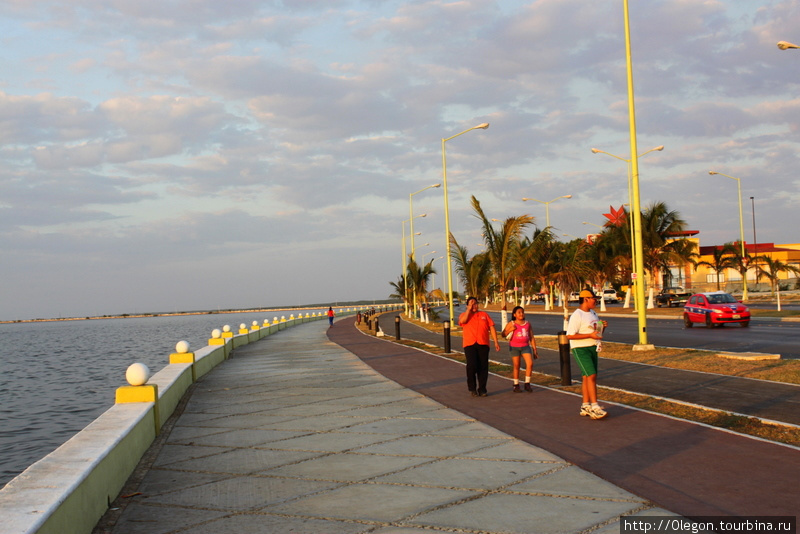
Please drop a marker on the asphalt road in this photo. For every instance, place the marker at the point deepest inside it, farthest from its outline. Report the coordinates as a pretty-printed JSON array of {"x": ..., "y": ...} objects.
[{"x": 771, "y": 336}]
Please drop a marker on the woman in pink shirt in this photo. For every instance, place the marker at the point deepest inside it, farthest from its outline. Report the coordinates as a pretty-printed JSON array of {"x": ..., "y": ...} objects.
[{"x": 521, "y": 344}]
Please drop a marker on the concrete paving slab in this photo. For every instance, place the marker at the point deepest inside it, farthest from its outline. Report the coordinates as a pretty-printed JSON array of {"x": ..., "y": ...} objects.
[
  {"x": 471, "y": 429},
  {"x": 468, "y": 474},
  {"x": 348, "y": 467},
  {"x": 171, "y": 453},
  {"x": 514, "y": 450},
  {"x": 142, "y": 519},
  {"x": 243, "y": 461},
  {"x": 244, "y": 437},
  {"x": 246, "y": 523},
  {"x": 372, "y": 502},
  {"x": 572, "y": 482},
  {"x": 539, "y": 514},
  {"x": 324, "y": 423},
  {"x": 329, "y": 441},
  {"x": 158, "y": 481},
  {"x": 240, "y": 493}
]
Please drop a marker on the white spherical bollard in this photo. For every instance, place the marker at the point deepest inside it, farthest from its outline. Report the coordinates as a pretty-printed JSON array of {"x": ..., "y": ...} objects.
[
  {"x": 216, "y": 333},
  {"x": 137, "y": 374},
  {"x": 226, "y": 328},
  {"x": 242, "y": 326},
  {"x": 182, "y": 347}
]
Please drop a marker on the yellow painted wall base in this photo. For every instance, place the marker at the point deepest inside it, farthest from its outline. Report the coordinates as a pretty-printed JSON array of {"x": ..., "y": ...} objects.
[
  {"x": 145, "y": 393},
  {"x": 181, "y": 357}
]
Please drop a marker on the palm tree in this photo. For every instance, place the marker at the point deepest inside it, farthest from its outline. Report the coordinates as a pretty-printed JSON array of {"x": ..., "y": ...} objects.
[
  {"x": 741, "y": 263},
  {"x": 399, "y": 289},
  {"x": 660, "y": 248},
  {"x": 574, "y": 265},
  {"x": 474, "y": 272},
  {"x": 537, "y": 259},
  {"x": 418, "y": 277},
  {"x": 502, "y": 245},
  {"x": 721, "y": 260},
  {"x": 774, "y": 268}
]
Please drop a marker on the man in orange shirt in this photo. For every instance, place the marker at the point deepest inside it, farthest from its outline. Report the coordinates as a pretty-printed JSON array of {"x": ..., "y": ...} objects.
[{"x": 477, "y": 326}]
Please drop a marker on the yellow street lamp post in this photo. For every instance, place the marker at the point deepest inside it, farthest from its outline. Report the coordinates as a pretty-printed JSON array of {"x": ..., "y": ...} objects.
[
  {"x": 546, "y": 205},
  {"x": 636, "y": 205},
  {"x": 741, "y": 231},
  {"x": 447, "y": 218},
  {"x": 411, "y": 218}
]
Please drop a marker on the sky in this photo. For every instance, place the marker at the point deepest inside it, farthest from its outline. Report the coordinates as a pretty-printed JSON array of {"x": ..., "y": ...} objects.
[{"x": 178, "y": 155}]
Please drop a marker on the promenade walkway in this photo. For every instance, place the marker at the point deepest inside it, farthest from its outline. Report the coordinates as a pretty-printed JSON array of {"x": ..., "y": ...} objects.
[
  {"x": 690, "y": 469},
  {"x": 296, "y": 434}
]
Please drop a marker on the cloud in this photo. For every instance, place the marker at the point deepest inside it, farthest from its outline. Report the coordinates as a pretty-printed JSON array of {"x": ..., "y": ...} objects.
[{"x": 142, "y": 140}]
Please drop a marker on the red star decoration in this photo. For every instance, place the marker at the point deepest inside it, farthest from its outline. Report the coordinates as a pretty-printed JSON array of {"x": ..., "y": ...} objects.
[{"x": 616, "y": 217}]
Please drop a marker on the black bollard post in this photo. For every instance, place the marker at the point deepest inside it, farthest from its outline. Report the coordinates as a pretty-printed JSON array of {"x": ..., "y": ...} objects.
[
  {"x": 397, "y": 327},
  {"x": 377, "y": 326},
  {"x": 447, "y": 337},
  {"x": 563, "y": 352}
]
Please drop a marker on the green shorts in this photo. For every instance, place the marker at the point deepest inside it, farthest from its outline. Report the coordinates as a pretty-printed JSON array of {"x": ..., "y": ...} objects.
[{"x": 587, "y": 359}]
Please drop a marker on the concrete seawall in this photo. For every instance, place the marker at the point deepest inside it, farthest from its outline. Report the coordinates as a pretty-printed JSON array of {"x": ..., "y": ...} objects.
[{"x": 71, "y": 488}]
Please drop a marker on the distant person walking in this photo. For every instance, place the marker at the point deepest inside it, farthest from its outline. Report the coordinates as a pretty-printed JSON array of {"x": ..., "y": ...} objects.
[
  {"x": 521, "y": 344},
  {"x": 584, "y": 332},
  {"x": 477, "y": 326},
  {"x": 331, "y": 315}
]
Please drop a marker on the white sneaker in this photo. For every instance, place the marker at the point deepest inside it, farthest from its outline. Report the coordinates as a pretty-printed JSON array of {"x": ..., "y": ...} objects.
[
  {"x": 586, "y": 409},
  {"x": 596, "y": 412}
]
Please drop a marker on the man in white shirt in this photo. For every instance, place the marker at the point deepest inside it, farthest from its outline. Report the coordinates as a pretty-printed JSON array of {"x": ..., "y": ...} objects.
[{"x": 584, "y": 332}]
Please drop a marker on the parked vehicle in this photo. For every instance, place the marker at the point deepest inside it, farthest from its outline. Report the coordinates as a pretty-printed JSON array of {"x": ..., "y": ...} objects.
[
  {"x": 573, "y": 297},
  {"x": 717, "y": 308},
  {"x": 672, "y": 296},
  {"x": 610, "y": 295}
]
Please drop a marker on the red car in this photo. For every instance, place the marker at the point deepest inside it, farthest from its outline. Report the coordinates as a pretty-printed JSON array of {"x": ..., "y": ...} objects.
[{"x": 717, "y": 308}]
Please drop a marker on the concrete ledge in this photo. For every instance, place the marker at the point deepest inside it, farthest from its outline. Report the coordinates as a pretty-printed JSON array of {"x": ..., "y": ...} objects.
[
  {"x": 70, "y": 488},
  {"x": 753, "y": 356}
]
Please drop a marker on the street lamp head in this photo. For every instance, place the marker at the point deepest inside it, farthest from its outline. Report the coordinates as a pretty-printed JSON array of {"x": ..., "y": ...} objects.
[
  {"x": 436, "y": 185},
  {"x": 659, "y": 148},
  {"x": 596, "y": 151},
  {"x": 567, "y": 196},
  {"x": 712, "y": 172},
  {"x": 785, "y": 45},
  {"x": 423, "y": 215},
  {"x": 482, "y": 126}
]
